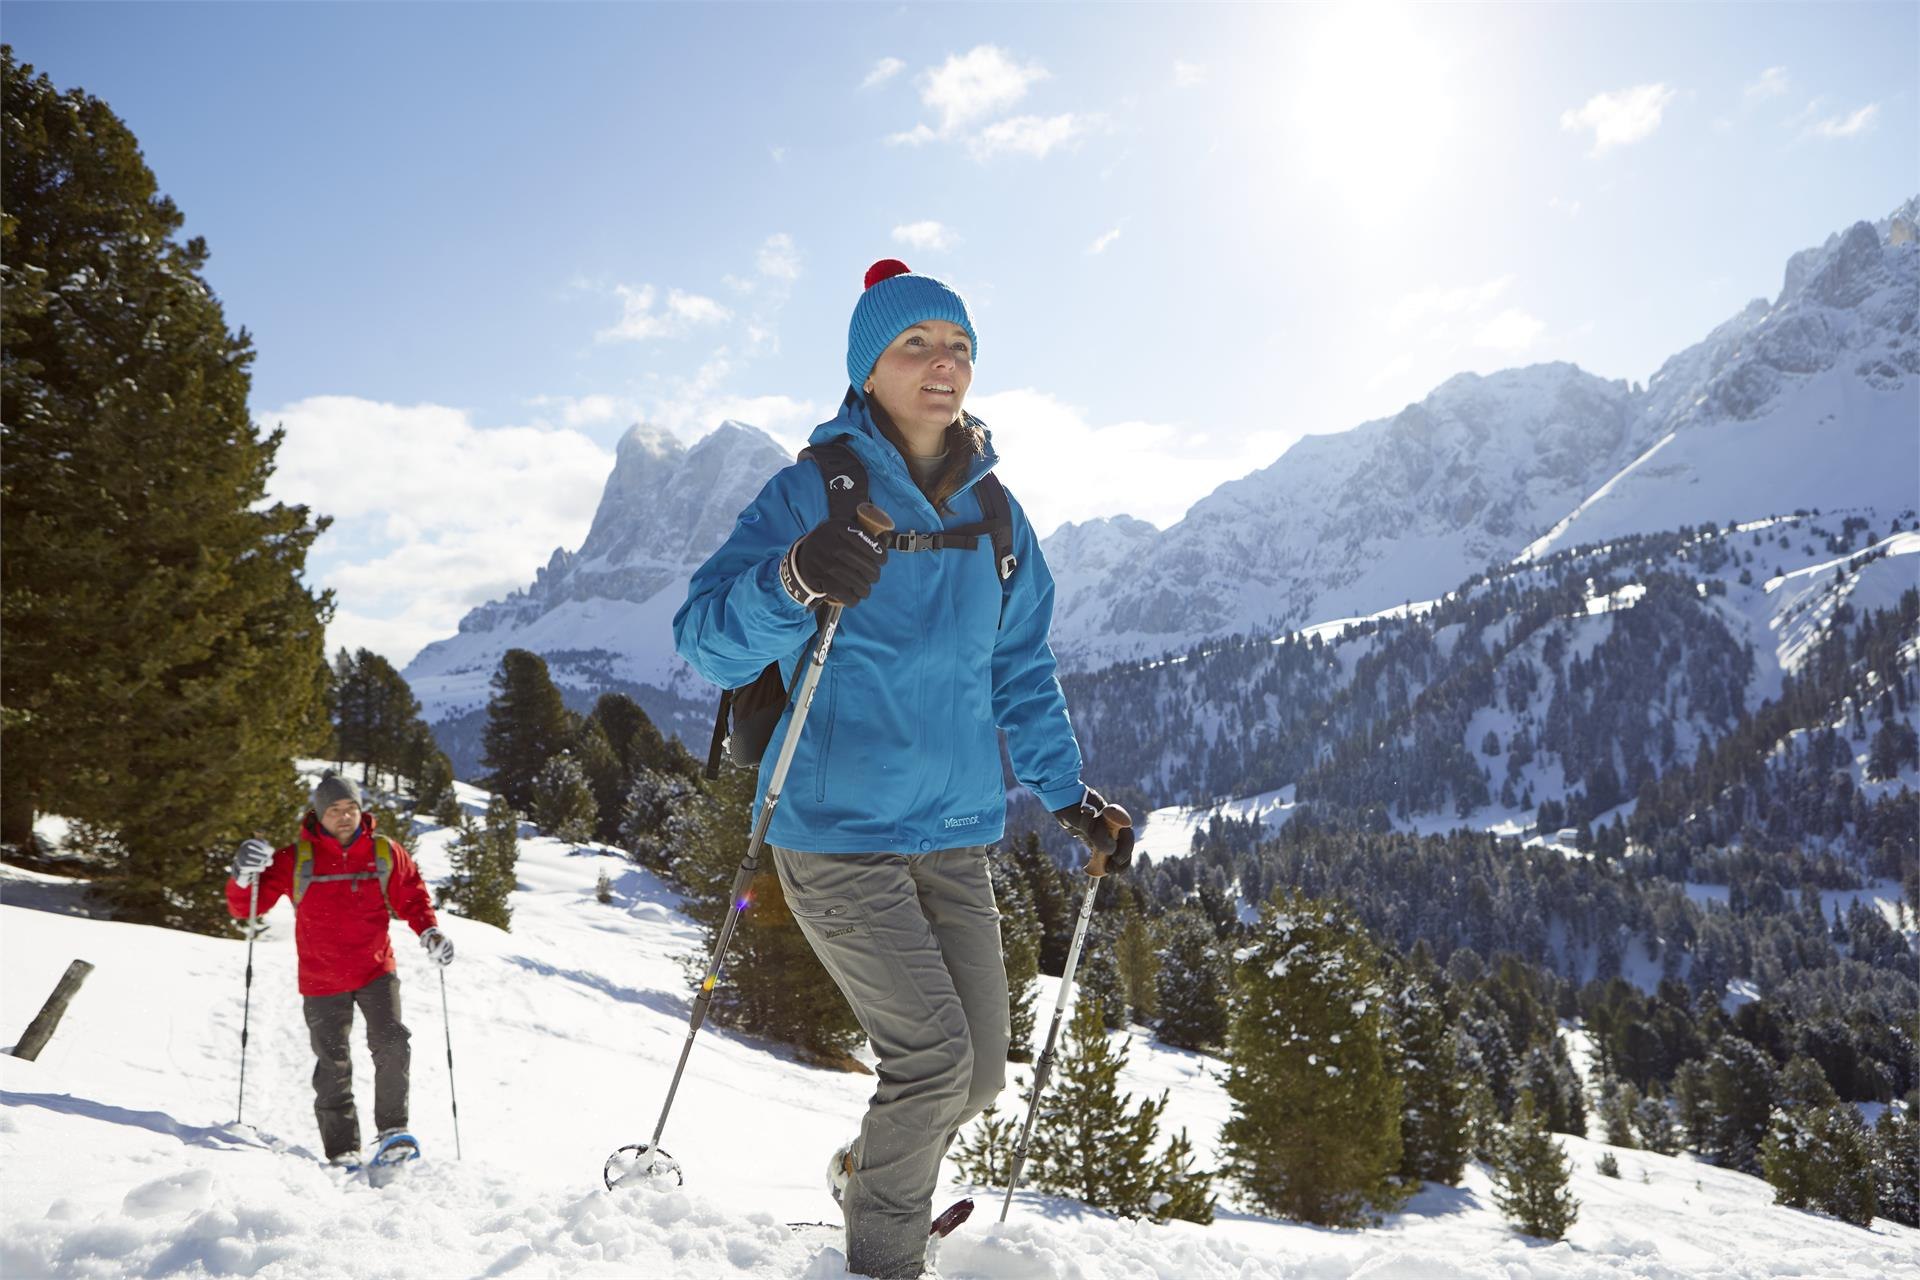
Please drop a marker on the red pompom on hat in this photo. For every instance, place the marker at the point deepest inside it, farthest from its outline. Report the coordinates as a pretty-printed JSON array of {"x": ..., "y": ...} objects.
[{"x": 886, "y": 269}]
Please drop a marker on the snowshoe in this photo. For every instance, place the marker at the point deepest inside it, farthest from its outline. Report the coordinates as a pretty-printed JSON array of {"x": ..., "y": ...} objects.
[{"x": 393, "y": 1149}]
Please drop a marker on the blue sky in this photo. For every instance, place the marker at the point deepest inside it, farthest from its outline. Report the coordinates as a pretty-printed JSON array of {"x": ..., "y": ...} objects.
[{"x": 475, "y": 242}]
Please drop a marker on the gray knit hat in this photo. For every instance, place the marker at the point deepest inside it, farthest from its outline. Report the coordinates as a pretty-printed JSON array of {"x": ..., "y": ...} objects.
[{"x": 332, "y": 790}]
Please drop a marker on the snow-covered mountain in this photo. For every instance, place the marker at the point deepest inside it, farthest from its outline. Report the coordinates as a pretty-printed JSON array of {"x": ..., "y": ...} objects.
[
  {"x": 1395, "y": 509},
  {"x": 1810, "y": 401},
  {"x": 600, "y": 615}
]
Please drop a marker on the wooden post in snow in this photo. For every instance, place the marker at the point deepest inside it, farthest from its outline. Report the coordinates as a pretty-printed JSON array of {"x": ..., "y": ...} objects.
[{"x": 41, "y": 1029}]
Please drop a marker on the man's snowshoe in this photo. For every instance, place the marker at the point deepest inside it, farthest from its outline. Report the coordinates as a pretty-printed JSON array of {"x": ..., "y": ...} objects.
[{"x": 392, "y": 1150}]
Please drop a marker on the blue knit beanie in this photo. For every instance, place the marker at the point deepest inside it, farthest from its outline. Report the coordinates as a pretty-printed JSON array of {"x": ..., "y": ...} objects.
[{"x": 896, "y": 298}]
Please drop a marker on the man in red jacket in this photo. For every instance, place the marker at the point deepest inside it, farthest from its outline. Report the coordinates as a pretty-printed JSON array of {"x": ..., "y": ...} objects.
[{"x": 344, "y": 882}]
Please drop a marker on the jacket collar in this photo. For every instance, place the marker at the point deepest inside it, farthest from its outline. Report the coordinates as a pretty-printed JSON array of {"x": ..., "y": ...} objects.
[{"x": 855, "y": 423}]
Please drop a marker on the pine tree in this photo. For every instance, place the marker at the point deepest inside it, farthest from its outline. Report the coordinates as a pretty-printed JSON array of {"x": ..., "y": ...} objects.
[
  {"x": 606, "y": 779},
  {"x": 485, "y": 858},
  {"x": 563, "y": 802},
  {"x": 1740, "y": 1082},
  {"x": 433, "y": 784},
  {"x": 1433, "y": 1115},
  {"x": 1618, "y": 1102},
  {"x": 527, "y": 725},
  {"x": 1817, "y": 1153},
  {"x": 1693, "y": 1104},
  {"x": 1193, "y": 982},
  {"x": 1896, "y": 1162},
  {"x": 1531, "y": 1173},
  {"x": 1053, "y": 901},
  {"x": 1090, "y": 1142},
  {"x": 163, "y": 658},
  {"x": 771, "y": 983},
  {"x": 1135, "y": 955},
  {"x": 984, "y": 1153},
  {"x": 1020, "y": 941},
  {"x": 1098, "y": 975},
  {"x": 1653, "y": 1124},
  {"x": 661, "y": 813},
  {"x": 1315, "y": 1130},
  {"x": 1180, "y": 1190}
]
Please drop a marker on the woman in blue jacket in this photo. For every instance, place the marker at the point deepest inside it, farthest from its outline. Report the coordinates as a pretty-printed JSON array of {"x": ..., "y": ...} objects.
[{"x": 895, "y": 792}]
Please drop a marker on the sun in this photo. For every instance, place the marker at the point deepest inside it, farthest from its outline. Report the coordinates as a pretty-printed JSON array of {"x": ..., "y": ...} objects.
[{"x": 1374, "y": 107}]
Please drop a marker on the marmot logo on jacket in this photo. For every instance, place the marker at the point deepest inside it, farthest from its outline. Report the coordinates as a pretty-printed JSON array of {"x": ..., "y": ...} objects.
[{"x": 971, "y": 820}]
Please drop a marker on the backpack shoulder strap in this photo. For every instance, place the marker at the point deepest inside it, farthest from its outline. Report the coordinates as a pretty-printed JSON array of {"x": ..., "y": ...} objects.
[
  {"x": 844, "y": 475},
  {"x": 302, "y": 867},
  {"x": 383, "y": 862},
  {"x": 997, "y": 514}
]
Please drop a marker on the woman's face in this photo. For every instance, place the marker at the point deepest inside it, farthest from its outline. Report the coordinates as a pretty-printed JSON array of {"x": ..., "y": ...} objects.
[{"x": 922, "y": 377}]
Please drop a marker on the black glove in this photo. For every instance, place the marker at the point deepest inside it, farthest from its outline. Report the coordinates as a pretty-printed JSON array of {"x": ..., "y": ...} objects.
[
  {"x": 835, "y": 562},
  {"x": 1102, "y": 827}
]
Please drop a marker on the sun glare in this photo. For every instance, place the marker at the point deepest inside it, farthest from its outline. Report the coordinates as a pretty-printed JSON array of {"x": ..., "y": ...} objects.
[{"x": 1374, "y": 107}]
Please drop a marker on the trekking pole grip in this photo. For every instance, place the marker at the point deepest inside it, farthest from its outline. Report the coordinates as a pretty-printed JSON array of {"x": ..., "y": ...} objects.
[
  {"x": 873, "y": 519},
  {"x": 1097, "y": 862}
]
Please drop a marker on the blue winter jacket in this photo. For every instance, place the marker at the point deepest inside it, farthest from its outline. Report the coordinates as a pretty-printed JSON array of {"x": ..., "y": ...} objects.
[{"x": 899, "y": 753}]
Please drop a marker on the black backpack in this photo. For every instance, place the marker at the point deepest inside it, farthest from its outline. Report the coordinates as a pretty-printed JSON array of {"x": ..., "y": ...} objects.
[{"x": 748, "y": 715}]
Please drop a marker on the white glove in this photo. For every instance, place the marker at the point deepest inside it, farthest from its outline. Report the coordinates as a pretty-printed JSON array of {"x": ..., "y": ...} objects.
[
  {"x": 252, "y": 858},
  {"x": 439, "y": 946}
]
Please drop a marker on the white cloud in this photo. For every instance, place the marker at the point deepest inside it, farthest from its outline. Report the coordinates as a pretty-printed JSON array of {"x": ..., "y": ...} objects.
[
  {"x": 1622, "y": 117},
  {"x": 588, "y": 410},
  {"x": 639, "y": 321},
  {"x": 459, "y": 514},
  {"x": 778, "y": 258},
  {"x": 1569, "y": 207},
  {"x": 1026, "y": 135},
  {"x": 1101, "y": 242},
  {"x": 918, "y": 136},
  {"x": 976, "y": 84},
  {"x": 1847, "y": 126},
  {"x": 924, "y": 235},
  {"x": 1771, "y": 84},
  {"x": 1062, "y": 467},
  {"x": 1188, "y": 74},
  {"x": 1511, "y": 331},
  {"x": 779, "y": 154},
  {"x": 883, "y": 71},
  {"x": 1431, "y": 304}
]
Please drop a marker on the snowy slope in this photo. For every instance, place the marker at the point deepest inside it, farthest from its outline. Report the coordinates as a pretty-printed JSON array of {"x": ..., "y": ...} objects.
[{"x": 119, "y": 1157}]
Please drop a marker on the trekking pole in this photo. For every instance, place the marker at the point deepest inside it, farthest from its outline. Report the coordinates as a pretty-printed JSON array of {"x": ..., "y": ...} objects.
[
  {"x": 446, "y": 1025},
  {"x": 647, "y": 1158},
  {"x": 1096, "y": 868},
  {"x": 246, "y": 1008}
]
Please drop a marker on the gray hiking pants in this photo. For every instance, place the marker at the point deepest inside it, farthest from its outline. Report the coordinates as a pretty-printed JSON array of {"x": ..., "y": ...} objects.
[
  {"x": 914, "y": 944},
  {"x": 329, "y": 1020}
]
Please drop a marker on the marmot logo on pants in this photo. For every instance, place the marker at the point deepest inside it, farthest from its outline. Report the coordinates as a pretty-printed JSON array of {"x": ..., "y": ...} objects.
[{"x": 971, "y": 820}]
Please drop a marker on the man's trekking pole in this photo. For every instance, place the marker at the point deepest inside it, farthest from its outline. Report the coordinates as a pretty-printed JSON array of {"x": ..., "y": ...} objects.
[
  {"x": 647, "y": 1159},
  {"x": 1096, "y": 868},
  {"x": 246, "y": 1008},
  {"x": 446, "y": 1025}
]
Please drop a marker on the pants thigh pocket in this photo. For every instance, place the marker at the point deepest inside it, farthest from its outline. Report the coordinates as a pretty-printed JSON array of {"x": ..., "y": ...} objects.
[{"x": 841, "y": 937}]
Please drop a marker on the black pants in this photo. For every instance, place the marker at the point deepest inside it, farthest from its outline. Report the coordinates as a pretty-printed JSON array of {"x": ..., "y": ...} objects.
[{"x": 329, "y": 1020}]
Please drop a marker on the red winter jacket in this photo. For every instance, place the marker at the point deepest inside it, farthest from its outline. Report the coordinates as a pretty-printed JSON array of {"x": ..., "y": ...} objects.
[{"x": 340, "y": 927}]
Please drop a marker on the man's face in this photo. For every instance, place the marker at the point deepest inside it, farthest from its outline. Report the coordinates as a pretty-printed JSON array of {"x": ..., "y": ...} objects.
[{"x": 341, "y": 819}]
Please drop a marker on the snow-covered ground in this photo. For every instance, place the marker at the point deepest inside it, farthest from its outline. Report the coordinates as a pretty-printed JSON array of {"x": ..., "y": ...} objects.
[{"x": 118, "y": 1155}]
